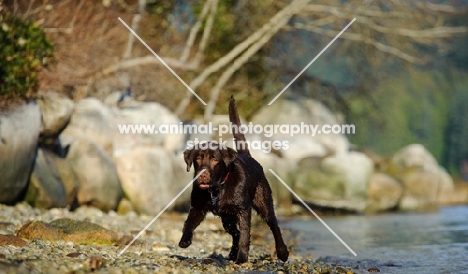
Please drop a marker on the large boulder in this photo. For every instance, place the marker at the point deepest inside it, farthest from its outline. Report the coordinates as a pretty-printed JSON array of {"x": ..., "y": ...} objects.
[
  {"x": 151, "y": 177},
  {"x": 99, "y": 181},
  {"x": 94, "y": 121},
  {"x": 421, "y": 176},
  {"x": 413, "y": 157},
  {"x": 45, "y": 188},
  {"x": 335, "y": 182},
  {"x": 56, "y": 112},
  {"x": 153, "y": 115},
  {"x": 19, "y": 134},
  {"x": 303, "y": 113},
  {"x": 384, "y": 193}
]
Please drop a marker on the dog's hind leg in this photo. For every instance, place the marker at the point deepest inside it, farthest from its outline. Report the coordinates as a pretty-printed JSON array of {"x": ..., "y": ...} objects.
[
  {"x": 244, "y": 217},
  {"x": 230, "y": 225},
  {"x": 263, "y": 204}
]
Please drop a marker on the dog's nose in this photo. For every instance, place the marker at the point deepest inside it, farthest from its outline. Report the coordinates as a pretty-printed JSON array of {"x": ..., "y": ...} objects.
[{"x": 203, "y": 176}]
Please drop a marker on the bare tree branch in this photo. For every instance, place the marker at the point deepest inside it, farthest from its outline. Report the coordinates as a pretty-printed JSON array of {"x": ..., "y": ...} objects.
[
  {"x": 360, "y": 38},
  {"x": 238, "y": 63},
  {"x": 134, "y": 25},
  {"x": 194, "y": 31},
  {"x": 206, "y": 33},
  {"x": 287, "y": 12}
]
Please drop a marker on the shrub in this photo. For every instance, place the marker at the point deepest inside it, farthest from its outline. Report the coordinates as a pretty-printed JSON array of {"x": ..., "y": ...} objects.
[{"x": 24, "y": 51}]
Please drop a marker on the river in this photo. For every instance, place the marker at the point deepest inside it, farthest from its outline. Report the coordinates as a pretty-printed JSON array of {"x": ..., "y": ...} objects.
[{"x": 393, "y": 243}]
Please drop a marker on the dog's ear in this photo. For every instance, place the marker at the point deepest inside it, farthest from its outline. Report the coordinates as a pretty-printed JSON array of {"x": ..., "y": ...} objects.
[
  {"x": 189, "y": 155},
  {"x": 229, "y": 155}
]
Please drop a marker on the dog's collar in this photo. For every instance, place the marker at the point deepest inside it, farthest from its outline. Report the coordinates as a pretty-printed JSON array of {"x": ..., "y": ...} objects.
[
  {"x": 214, "y": 199},
  {"x": 225, "y": 178}
]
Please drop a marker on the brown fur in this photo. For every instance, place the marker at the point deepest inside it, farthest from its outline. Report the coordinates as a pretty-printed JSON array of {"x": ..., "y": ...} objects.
[{"x": 246, "y": 187}]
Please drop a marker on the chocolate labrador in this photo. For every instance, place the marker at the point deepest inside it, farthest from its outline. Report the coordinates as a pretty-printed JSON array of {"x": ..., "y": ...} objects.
[{"x": 231, "y": 184}]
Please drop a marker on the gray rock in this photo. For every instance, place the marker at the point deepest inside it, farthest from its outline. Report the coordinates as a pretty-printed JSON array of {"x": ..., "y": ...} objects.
[
  {"x": 56, "y": 112},
  {"x": 93, "y": 121},
  {"x": 421, "y": 176},
  {"x": 151, "y": 177},
  {"x": 338, "y": 181},
  {"x": 309, "y": 112},
  {"x": 383, "y": 193},
  {"x": 19, "y": 134},
  {"x": 416, "y": 157},
  {"x": 99, "y": 181},
  {"x": 152, "y": 114},
  {"x": 69, "y": 180},
  {"x": 45, "y": 188},
  {"x": 420, "y": 190}
]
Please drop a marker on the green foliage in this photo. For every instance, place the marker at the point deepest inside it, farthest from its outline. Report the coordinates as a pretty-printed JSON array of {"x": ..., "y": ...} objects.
[
  {"x": 24, "y": 50},
  {"x": 456, "y": 132},
  {"x": 413, "y": 108}
]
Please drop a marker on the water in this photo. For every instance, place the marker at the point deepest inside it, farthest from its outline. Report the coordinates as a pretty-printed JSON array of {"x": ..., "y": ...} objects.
[{"x": 398, "y": 243}]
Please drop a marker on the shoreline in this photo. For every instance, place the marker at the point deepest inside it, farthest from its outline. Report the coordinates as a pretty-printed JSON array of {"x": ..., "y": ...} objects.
[{"x": 156, "y": 251}]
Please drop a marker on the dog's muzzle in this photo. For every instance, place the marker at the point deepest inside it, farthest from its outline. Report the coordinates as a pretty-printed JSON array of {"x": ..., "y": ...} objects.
[{"x": 204, "y": 180}]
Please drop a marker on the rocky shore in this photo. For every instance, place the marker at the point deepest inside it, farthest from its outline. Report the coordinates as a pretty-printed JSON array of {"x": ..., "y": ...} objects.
[{"x": 156, "y": 251}]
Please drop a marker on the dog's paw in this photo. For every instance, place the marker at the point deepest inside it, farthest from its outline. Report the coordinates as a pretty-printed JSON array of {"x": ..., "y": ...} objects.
[
  {"x": 185, "y": 241},
  {"x": 185, "y": 244},
  {"x": 282, "y": 253},
  {"x": 242, "y": 257}
]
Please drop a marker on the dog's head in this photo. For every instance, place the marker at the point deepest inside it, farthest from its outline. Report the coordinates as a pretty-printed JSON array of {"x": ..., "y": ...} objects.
[{"x": 212, "y": 157}]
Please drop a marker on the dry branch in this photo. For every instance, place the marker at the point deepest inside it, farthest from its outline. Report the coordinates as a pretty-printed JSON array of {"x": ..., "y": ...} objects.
[{"x": 287, "y": 12}]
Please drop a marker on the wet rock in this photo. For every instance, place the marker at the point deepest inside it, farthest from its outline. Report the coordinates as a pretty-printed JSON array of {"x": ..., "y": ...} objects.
[
  {"x": 383, "y": 193},
  {"x": 19, "y": 134},
  {"x": 97, "y": 174},
  {"x": 12, "y": 240}
]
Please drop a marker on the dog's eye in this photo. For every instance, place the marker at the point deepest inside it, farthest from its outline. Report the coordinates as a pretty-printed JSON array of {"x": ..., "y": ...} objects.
[{"x": 214, "y": 160}]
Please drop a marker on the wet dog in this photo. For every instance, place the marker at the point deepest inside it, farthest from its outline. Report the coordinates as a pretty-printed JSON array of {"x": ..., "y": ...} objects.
[{"x": 230, "y": 186}]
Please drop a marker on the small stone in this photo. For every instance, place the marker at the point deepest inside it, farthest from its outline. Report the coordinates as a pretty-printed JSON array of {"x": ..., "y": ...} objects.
[
  {"x": 76, "y": 255},
  {"x": 12, "y": 240},
  {"x": 160, "y": 247},
  {"x": 95, "y": 262}
]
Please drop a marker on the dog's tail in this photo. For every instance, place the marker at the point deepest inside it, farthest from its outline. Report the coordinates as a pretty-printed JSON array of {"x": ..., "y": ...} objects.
[{"x": 239, "y": 139}]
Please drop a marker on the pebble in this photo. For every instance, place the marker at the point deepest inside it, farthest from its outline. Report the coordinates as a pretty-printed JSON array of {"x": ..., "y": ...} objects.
[{"x": 153, "y": 252}]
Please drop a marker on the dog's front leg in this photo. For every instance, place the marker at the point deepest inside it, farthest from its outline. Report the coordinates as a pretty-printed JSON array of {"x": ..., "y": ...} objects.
[
  {"x": 195, "y": 217},
  {"x": 244, "y": 239}
]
